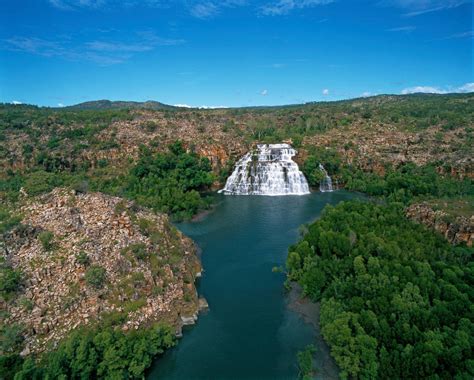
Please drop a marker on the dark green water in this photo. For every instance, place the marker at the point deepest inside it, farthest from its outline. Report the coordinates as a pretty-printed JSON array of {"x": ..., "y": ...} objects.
[{"x": 249, "y": 332}]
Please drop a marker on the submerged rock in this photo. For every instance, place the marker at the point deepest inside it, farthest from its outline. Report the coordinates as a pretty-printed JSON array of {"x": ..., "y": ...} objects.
[
  {"x": 203, "y": 305},
  {"x": 191, "y": 320}
]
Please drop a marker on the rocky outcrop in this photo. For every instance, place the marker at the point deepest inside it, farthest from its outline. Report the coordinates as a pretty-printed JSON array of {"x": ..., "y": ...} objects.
[
  {"x": 148, "y": 266},
  {"x": 459, "y": 230},
  {"x": 373, "y": 146}
]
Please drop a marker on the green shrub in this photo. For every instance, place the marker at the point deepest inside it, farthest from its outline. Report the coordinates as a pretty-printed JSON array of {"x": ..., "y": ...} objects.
[
  {"x": 81, "y": 187},
  {"x": 82, "y": 258},
  {"x": 10, "y": 280},
  {"x": 138, "y": 250},
  {"x": 26, "y": 303},
  {"x": 145, "y": 226},
  {"x": 150, "y": 126},
  {"x": 46, "y": 239},
  {"x": 120, "y": 207},
  {"x": 102, "y": 163},
  {"x": 305, "y": 362},
  {"x": 11, "y": 337},
  {"x": 95, "y": 276}
]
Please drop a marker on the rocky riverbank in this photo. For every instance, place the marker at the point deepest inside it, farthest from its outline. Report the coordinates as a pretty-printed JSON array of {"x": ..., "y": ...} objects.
[{"x": 88, "y": 257}]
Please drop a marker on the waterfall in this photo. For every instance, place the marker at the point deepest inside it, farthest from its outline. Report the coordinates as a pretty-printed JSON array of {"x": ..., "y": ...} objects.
[
  {"x": 267, "y": 170},
  {"x": 326, "y": 183}
]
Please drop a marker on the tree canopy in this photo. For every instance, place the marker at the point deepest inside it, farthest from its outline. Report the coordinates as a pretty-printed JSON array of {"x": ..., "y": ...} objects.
[{"x": 396, "y": 298}]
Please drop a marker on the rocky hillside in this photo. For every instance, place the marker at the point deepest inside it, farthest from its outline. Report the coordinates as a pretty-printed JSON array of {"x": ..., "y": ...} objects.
[
  {"x": 373, "y": 146},
  {"x": 86, "y": 257},
  {"x": 370, "y": 132},
  {"x": 456, "y": 230}
]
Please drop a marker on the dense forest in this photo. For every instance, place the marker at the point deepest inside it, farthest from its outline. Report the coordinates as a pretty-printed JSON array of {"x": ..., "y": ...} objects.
[
  {"x": 171, "y": 182},
  {"x": 91, "y": 353},
  {"x": 396, "y": 299}
]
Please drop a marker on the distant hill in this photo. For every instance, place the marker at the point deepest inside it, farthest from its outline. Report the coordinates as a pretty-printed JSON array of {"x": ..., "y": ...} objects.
[
  {"x": 363, "y": 101},
  {"x": 108, "y": 104}
]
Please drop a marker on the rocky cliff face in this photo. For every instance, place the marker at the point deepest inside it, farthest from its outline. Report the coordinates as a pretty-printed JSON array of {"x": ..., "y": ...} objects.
[
  {"x": 459, "y": 230},
  {"x": 148, "y": 267}
]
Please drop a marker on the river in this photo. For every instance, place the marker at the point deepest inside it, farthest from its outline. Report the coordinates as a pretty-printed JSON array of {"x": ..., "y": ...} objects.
[{"x": 249, "y": 332}]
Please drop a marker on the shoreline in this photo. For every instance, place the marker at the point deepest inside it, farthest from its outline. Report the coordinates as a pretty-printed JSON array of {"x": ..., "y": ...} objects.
[
  {"x": 201, "y": 215},
  {"x": 204, "y": 213},
  {"x": 324, "y": 364}
]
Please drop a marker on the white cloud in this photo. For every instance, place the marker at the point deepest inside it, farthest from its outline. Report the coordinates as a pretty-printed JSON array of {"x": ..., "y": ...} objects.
[
  {"x": 403, "y": 29},
  {"x": 113, "y": 47},
  {"x": 278, "y": 65},
  {"x": 467, "y": 87},
  {"x": 468, "y": 34},
  {"x": 16, "y": 102},
  {"x": 72, "y": 4},
  {"x": 423, "y": 89},
  {"x": 60, "y": 105},
  {"x": 419, "y": 7},
  {"x": 264, "y": 92},
  {"x": 184, "y": 105},
  {"x": 366, "y": 94},
  {"x": 325, "y": 92},
  {"x": 204, "y": 10},
  {"x": 283, "y": 7},
  {"x": 102, "y": 52}
]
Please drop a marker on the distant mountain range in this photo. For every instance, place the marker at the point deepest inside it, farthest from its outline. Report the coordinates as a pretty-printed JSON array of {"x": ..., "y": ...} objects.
[
  {"x": 108, "y": 104},
  {"x": 154, "y": 105}
]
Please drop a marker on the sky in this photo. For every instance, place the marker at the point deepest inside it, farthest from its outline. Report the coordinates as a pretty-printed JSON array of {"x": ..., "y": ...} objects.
[{"x": 231, "y": 53}]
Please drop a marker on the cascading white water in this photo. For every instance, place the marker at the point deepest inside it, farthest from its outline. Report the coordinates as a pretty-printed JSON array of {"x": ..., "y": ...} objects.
[
  {"x": 325, "y": 185},
  {"x": 268, "y": 170}
]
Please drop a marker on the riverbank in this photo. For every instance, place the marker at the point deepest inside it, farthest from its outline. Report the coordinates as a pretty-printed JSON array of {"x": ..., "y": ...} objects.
[{"x": 325, "y": 365}]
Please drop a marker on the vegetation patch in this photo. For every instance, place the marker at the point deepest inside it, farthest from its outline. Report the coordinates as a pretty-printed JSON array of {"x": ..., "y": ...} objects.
[{"x": 95, "y": 276}]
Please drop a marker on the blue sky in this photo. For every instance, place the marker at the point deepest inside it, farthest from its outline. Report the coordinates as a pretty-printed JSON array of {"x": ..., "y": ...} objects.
[{"x": 231, "y": 52}]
